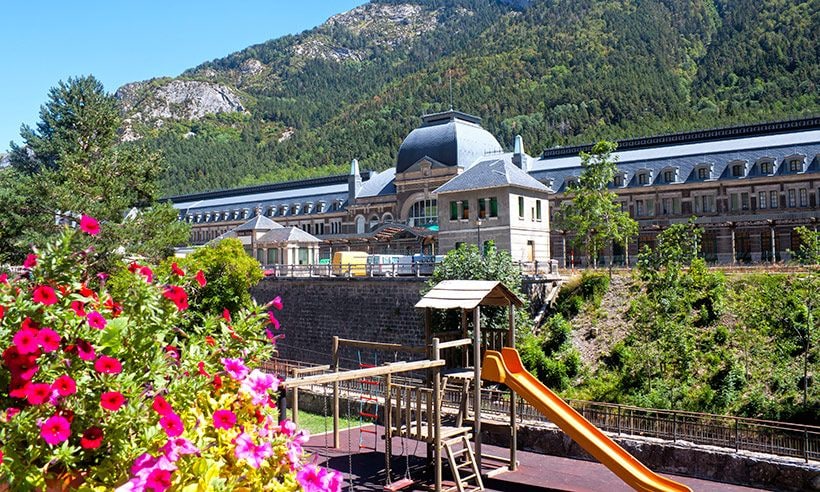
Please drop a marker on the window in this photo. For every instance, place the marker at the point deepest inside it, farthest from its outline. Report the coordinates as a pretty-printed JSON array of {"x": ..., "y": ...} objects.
[
  {"x": 520, "y": 207},
  {"x": 761, "y": 199},
  {"x": 650, "y": 206},
  {"x": 744, "y": 201},
  {"x": 669, "y": 176},
  {"x": 304, "y": 256},
  {"x": 639, "y": 208},
  {"x": 465, "y": 210},
  {"x": 482, "y": 208},
  {"x": 707, "y": 203},
  {"x": 666, "y": 206},
  {"x": 260, "y": 256},
  {"x": 703, "y": 173},
  {"x": 273, "y": 256},
  {"x": 737, "y": 170},
  {"x": 795, "y": 166},
  {"x": 773, "y": 199},
  {"x": 804, "y": 197},
  {"x": 734, "y": 202},
  {"x": 643, "y": 178},
  {"x": 618, "y": 180},
  {"x": 493, "y": 207},
  {"x": 454, "y": 210},
  {"x": 792, "y": 201},
  {"x": 423, "y": 213},
  {"x": 538, "y": 209},
  {"x": 359, "y": 225},
  {"x": 766, "y": 167}
]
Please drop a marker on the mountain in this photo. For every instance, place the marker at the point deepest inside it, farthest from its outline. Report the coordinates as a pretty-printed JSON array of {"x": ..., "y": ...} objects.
[{"x": 555, "y": 71}]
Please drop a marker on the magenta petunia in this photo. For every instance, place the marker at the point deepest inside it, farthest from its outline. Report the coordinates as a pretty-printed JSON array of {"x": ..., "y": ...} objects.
[
  {"x": 55, "y": 430},
  {"x": 147, "y": 273},
  {"x": 49, "y": 340},
  {"x": 112, "y": 400},
  {"x": 38, "y": 393},
  {"x": 273, "y": 320},
  {"x": 89, "y": 225},
  {"x": 30, "y": 261},
  {"x": 85, "y": 350},
  {"x": 27, "y": 340},
  {"x": 64, "y": 385},
  {"x": 176, "y": 270},
  {"x": 79, "y": 308},
  {"x": 43, "y": 294},
  {"x": 257, "y": 384},
  {"x": 224, "y": 419},
  {"x": 172, "y": 424},
  {"x": 250, "y": 452},
  {"x": 235, "y": 368},
  {"x": 277, "y": 303},
  {"x": 108, "y": 365},
  {"x": 180, "y": 446},
  {"x": 161, "y": 406},
  {"x": 96, "y": 320},
  {"x": 177, "y": 295}
]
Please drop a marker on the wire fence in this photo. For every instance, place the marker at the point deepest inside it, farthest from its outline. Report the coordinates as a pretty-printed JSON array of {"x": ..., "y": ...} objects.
[{"x": 733, "y": 433}]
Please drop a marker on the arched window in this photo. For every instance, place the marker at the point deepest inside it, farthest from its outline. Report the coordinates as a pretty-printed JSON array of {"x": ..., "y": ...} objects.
[
  {"x": 388, "y": 217},
  {"x": 374, "y": 222},
  {"x": 360, "y": 224},
  {"x": 423, "y": 213}
]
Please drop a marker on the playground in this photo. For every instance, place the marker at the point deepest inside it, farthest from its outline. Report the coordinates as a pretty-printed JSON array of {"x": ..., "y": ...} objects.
[{"x": 407, "y": 440}]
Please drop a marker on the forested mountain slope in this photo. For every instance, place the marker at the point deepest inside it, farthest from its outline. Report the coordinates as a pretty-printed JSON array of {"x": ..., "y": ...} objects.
[{"x": 557, "y": 72}]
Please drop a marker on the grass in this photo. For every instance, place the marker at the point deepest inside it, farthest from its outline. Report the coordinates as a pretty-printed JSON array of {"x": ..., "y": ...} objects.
[{"x": 315, "y": 423}]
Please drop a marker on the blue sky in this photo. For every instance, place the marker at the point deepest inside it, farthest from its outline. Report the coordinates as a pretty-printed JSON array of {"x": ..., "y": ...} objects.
[{"x": 44, "y": 41}]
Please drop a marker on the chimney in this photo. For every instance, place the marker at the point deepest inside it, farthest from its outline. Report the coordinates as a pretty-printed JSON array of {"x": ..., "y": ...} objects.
[
  {"x": 519, "y": 158},
  {"x": 354, "y": 182}
]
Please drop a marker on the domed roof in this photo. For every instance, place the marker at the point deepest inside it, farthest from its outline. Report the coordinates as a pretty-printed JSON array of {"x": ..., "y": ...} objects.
[{"x": 451, "y": 138}]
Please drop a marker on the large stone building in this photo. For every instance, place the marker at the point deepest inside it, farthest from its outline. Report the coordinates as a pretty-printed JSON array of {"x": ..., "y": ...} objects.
[{"x": 453, "y": 183}]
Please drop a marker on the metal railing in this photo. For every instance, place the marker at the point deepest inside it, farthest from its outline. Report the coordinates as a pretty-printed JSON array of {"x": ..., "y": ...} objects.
[
  {"x": 349, "y": 270},
  {"x": 728, "y": 432}
]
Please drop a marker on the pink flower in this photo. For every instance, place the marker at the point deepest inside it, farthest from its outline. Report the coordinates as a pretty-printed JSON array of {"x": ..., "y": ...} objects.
[
  {"x": 224, "y": 419},
  {"x": 30, "y": 261},
  {"x": 4, "y": 278},
  {"x": 257, "y": 384},
  {"x": 180, "y": 446},
  {"x": 226, "y": 315},
  {"x": 89, "y": 225},
  {"x": 235, "y": 368},
  {"x": 112, "y": 400},
  {"x": 161, "y": 406},
  {"x": 248, "y": 451},
  {"x": 273, "y": 320},
  {"x": 96, "y": 320},
  {"x": 176, "y": 270},
  {"x": 277, "y": 303},
  {"x": 200, "y": 367},
  {"x": 107, "y": 365},
  {"x": 315, "y": 479},
  {"x": 26, "y": 340},
  {"x": 158, "y": 481},
  {"x": 143, "y": 462},
  {"x": 177, "y": 295},
  {"x": 85, "y": 350},
  {"x": 38, "y": 393},
  {"x": 55, "y": 430},
  {"x": 64, "y": 385},
  {"x": 79, "y": 308},
  {"x": 43, "y": 294},
  {"x": 200, "y": 278},
  {"x": 147, "y": 273},
  {"x": 172, "y": 424},
  {"x": 49, "y": 340}
]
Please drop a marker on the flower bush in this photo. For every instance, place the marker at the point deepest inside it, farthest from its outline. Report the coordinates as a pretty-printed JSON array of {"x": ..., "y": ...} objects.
[{"x": 134, "y": 393}]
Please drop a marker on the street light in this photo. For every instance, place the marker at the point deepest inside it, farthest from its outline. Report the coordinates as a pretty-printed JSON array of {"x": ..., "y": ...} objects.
[{"x": 478, "y": 226}]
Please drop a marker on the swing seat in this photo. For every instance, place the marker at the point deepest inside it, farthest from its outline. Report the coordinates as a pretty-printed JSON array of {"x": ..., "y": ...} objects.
[{"x": 398, "y": 485}]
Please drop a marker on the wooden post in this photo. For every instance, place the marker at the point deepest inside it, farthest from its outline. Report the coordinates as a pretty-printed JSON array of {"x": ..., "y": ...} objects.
[
  {"x": 513, "y": 399},
  {"x": 335, "y": 362},
  {"x": 388, "y": 424},
  {"x": 295, "y": 403},
  {"x": 437, "y": 415},
  {"x": 465, "y": 355},
  {"x": 477, "y": 384}
]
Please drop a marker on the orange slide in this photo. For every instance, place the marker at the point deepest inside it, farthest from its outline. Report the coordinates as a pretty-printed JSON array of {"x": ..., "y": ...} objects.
[{"x": 505, "y": 367}]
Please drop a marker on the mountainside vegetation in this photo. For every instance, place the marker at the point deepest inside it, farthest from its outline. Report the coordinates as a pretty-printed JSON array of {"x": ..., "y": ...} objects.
[{"x": 556, "y": 72}]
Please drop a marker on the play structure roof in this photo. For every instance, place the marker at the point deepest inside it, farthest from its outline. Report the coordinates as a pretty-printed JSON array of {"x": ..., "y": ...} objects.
[{"x": 468, "y": 294}]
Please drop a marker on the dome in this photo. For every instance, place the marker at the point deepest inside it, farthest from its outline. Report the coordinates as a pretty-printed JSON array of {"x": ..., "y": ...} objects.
[{"x": 451, "y": 138}]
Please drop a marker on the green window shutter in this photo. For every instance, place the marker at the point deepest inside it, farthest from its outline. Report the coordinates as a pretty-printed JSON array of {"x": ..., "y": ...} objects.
[{"x": 493, "y": 207}]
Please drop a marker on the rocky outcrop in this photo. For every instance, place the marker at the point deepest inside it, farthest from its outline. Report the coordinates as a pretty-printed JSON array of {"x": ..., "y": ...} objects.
[{"x": 152, "y": 102}]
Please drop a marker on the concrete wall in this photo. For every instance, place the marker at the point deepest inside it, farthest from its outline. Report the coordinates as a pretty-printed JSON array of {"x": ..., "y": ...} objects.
[{"x": 316, "y": 309}]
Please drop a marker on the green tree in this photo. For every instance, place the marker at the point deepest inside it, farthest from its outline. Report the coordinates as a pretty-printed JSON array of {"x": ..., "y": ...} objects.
[
  {"x": 675, "y": 248},
  {"x": 809, "y": 251},
  {"x": 72, "y": 164},
  {"x": 593, "y": 214}
]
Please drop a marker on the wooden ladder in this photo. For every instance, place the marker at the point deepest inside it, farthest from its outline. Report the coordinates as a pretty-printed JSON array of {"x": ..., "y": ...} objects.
[{"x": 467, "y": 464}]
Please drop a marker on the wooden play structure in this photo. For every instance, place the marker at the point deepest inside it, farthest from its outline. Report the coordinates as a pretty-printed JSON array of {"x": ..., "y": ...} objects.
[{"x": 451, "y": 361}]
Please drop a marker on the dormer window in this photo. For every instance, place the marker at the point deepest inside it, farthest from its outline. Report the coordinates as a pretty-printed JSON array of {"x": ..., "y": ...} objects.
[
  {"x": 308, "y": 207},
  {"x": 548, "y": 182},
  {"x": 738, "y": 168},
  {"x": 570, "y": 182},
  {"x": 296, "y": 208},
  {"x": 670, "y": 175},
  {"x": 796, "y": 163},
  {"x": 322, "y": 207},
  {"x": 644, "y": 177},
  {"x": 619, "y": 180},
  {"x": 766, "y": 167},
  {"x": 284, "y": 209}
]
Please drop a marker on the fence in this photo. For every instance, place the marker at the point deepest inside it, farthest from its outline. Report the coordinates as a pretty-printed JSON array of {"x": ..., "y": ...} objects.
[{"x": 735, "y": 433}]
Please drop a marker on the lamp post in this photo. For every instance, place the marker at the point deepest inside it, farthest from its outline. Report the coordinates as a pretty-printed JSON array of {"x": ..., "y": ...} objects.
[{"x": 478, "y": 227}]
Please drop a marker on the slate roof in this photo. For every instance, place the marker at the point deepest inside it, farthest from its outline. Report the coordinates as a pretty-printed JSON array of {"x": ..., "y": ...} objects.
[
  {"x": 492, "y": 173},
  {"x": 685, "y": 159},
  {"x": 379, "y": 184},
  {"x": 288, "y": 234},
  {"x": 259, "y": 223},
  {"x": 451, "y": 138}
]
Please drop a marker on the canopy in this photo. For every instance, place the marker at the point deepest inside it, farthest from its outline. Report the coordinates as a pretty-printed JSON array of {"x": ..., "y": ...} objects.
[{"x": 468, "y": 294}]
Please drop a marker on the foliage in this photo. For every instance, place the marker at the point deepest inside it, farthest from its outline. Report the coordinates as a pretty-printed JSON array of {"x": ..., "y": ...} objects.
[
  {"x": 550, "y": 356},
  {"x": 565, "y": 73},
  {"x": 809, "y": 251},
  {"x": 72, "y": 162},
  {"x": 91, "y": 383},
  {"x": 589, "y": 288},
  {"x": 593, "y": 214},
  {"x": 232, "y": 272},
  {"x": 675, "y": 248}
]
